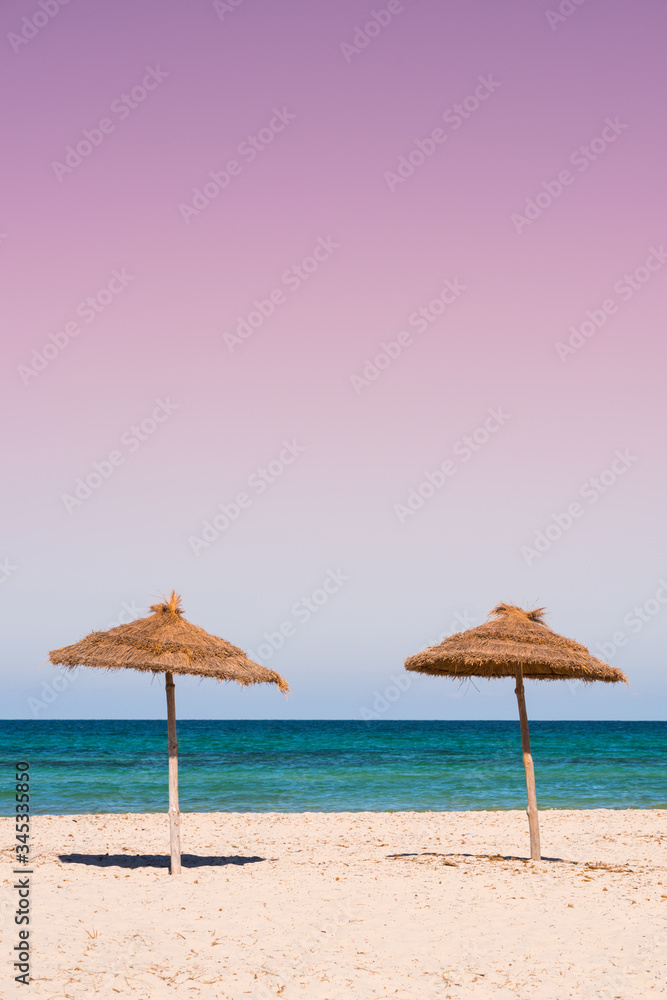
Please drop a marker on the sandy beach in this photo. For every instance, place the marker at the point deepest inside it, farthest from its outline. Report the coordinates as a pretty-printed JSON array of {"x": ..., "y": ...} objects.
[{"x": 332, "y": 906}]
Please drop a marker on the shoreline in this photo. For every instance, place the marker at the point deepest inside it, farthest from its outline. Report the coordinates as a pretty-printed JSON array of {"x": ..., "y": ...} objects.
[{"x": 346, "y": 812}]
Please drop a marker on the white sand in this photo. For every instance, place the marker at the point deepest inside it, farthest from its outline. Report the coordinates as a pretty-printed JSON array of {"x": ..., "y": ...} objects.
[{"x": 366, "y": 906}]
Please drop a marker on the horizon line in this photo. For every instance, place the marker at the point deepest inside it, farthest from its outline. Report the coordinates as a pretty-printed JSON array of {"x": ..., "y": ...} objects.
[{"x": 365, "y": 721}]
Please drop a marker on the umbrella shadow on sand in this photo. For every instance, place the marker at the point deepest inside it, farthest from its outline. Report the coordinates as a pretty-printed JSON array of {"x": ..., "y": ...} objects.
[
  {"x": 154, "y": 860},
  {"x": 480, "y": 857}
]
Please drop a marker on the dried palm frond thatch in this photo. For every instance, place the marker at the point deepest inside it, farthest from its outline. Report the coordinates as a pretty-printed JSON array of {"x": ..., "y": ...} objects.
[
  {"x": 165, "y": 641},
  {"x": 513, "y": 636}
]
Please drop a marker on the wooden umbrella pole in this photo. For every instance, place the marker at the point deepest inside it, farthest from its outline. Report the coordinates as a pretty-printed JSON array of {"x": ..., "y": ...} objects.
[
  {"x": 174, "y": 815},
  {"x": 533, "y": 822}
]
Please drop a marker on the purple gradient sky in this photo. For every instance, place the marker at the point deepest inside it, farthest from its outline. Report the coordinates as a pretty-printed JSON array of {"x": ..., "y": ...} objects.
[{"x": 324, "y": 176}]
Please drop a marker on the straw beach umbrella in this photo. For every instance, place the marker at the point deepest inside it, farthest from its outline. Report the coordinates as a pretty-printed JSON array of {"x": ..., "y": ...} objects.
[
  {"x": 515, "y": 643},
  {"x": 165, "y": 642}
]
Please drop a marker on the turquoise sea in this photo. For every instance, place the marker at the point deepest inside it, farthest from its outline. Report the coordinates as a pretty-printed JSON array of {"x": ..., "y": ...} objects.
[{"x": 118, "y": 766}]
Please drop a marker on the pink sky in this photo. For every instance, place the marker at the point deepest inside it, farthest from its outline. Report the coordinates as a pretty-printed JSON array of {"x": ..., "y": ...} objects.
[{"x": 478, "y": 110}]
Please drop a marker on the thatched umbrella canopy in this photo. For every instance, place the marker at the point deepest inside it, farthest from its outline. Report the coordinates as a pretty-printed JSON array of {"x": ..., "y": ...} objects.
[
  {"x": 165, "y": 642},
  {"x": 515, "y": 643}
]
